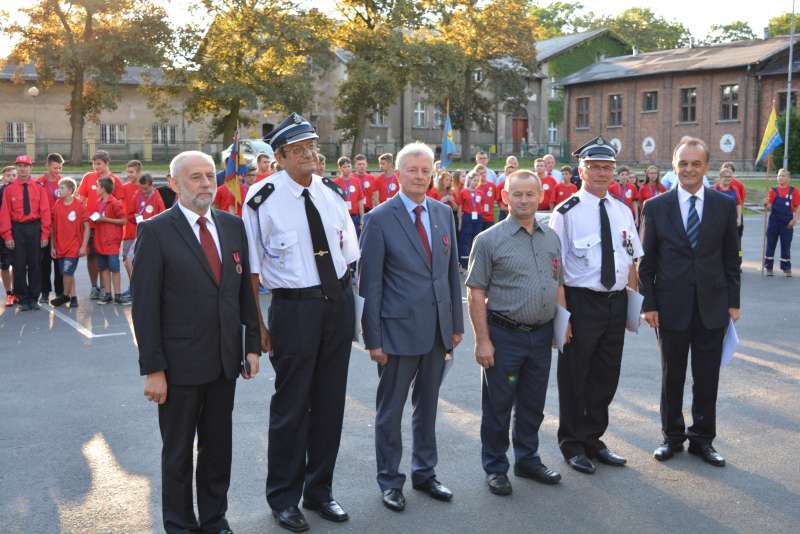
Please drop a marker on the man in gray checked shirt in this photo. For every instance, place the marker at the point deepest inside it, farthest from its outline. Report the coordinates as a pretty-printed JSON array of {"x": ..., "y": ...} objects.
[{"x": 514, "y": 282}]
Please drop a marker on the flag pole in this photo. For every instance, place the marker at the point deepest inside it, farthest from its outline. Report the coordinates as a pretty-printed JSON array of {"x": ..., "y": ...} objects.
[
  {"x": 788, "y": 95},
  {"x": 766, "y": 213}
]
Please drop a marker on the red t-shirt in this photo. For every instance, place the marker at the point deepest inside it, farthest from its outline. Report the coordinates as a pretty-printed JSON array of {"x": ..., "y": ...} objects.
[
  {"x": 369, "y": 185},
  {"x": 648, "y": 191},
  {"x": 68, "y": 223},
  {"x": 548, "y": 191},
  {"x": 51, "y": 186},
  {"x": 433, "y": 193},
  {"x": 718, "y": 187},
  {"x": 225, "y": 201},
  {"x": 740, "y": 190},
  {"x": 352, "y": 192},
  {"x": 488, "y": 196},
  {"x": 107, "y": 236},
  {"x": 260, "y": 177},
  {"x": 468, "y": 200},
  {"x": 147, "y": 207},
  {"x": 131, "y": 188},
  {"x": 88, "y": 191},
  {"x": 562, "y": 192},
  {"x": 390, "y": 186},
  {"x": 782, "y": 193}
]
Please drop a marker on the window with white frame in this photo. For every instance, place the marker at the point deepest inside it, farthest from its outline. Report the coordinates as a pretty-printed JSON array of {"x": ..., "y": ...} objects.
[
  {"x": 15, "y": 132},
  {"x": 112, "y": 134},
  {"x": 377, "y": 119},
  {"x": 420, "y": 118},
  {"x": 438, "y": 117},
  {"x": 554, "y": 93},
  {"x": 552, "y": 134},
  {"x": 165, "y": 134}
]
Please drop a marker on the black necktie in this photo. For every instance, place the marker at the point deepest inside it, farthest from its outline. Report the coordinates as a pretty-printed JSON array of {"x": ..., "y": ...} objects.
[
  {"x": 322, "y": 253},
  {"x": 607, "y": 274},
  {"x": 26, "y": 200},
  {"x": 693, "y": 223}
]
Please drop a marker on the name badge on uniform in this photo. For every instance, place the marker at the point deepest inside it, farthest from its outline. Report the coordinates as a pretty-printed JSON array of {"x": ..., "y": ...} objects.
[
  {"x": 392, "y": 187},
  {"x": 627, "y": 243},
  {"x": 94, "y": 216},
  {"x": 486, "y": 207},
  {"x": 139, "y": 218},
  {"x": 349, "y": 205},
  {"x": 238, "y": 261},
  {"x": 477, "y": 198},
  {"x": 474, "y": 215},
  {"x": 366, "y": 185}
]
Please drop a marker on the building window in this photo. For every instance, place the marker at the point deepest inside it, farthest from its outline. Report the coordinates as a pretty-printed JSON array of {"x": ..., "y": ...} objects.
[
  {"x": 729, "y": 110},
  {"x": 112, "y": 134},
  {"x": 438, "y": 117},
  {"x": 650, "y": 101},
  {"x": 582, "y": 109},
  {"x": 689, "y": 104},
  {"x": 554, "y": 92},
  {"x": 165, "y": 134},
  {"x": 782, "y": 101},
  {"x": 552, "y": 134},
  {"x": 378, "y": 119},
  {"x": 477, "y": 75},
  {"x": 419, "y": 115},
  {"x": 615, "y": 110},
  {"x": 15, "y": 132}
]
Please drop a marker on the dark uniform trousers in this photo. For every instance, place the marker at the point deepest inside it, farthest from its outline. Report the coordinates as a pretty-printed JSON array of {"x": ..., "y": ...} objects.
[
  {"x": 58, "y": 281},
  {"x": 706, "y": 347},
  {"x": 517, "y": 380},
  {"x": 588, "y": 369},
  {"x": 311, "y": 342},
  {"x": 208, "y": 408},
  {"x": 27, "y": 263}
]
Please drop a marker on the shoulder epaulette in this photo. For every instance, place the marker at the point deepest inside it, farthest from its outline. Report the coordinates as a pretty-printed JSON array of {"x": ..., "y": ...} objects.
[
  {"x": 334, "y": 187},
  {"x": 262, "y": 195},
  {"x": 568, "y": 204}
]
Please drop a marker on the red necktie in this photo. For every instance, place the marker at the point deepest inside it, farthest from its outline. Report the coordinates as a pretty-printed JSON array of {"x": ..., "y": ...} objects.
[
  {"x": 207, "y": 242},
  {"x": 421, "y": 231}
]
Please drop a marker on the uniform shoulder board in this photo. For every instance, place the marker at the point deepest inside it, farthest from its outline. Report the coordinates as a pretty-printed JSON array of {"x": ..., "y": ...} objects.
[
  {"x": 334, "y": 187},
  {"x": 568, "y": 204},
  {"x": 262, "y": 195}
]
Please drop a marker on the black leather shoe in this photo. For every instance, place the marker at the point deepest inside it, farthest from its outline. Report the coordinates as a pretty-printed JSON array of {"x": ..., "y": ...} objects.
[
  {"x": 498, "y": 483},
  {"x": 667, "y": 450},
  {"x": 291, "y": 518},
  {"x": 435, "y": 489},
  {"x": 708, "y": 454},
  {"x": 607, "y": 457},
  {"x": 225, "y": 531},
  {"x": 330, "y": 510},
  {"x": 540, "y": 473},
  {"x": 582, "y": 463},
  {"x": 393, "y": 500}
]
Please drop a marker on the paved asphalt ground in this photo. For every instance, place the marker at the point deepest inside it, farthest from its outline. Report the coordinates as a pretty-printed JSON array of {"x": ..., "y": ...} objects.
[{"x": 79, "y": 445}]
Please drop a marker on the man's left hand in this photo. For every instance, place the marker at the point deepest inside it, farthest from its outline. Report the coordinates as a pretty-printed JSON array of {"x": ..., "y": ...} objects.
[
  {"x": 457, "y": 339},
  {"x": 45, "y": 242},
  {"x": 252, "y": 359},
  {"x": 792, "y": 223},
  {"x": 734, "y": 313}
]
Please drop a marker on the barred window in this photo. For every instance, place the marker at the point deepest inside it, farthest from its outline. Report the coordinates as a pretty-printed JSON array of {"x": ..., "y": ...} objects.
[
  {"x": 582, "y": 109},
  {"x": 615, "y": 110},
  {"x": 650, "y": 101},
  {"x": 165, "y": 134},
  {"x": 15, "y": 132},
  {"x": 113, "y": 134},
  {"x": 689, "y": 104},
  {"x": 729, "y": 104}
]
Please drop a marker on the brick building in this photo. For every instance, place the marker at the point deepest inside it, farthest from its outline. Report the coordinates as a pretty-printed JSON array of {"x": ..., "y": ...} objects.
[{"x": 644, "y": 103}]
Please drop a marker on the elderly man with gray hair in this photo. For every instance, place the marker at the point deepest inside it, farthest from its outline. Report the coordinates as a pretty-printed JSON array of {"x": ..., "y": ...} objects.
[
  {"x": 191, "y": 298},
  {"x": 412, "y": 319}
]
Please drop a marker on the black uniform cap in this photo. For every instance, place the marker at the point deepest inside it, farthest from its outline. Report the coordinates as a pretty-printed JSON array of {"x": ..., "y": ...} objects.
[
  {"x": 293, "y": 129},
  {"x": 597, "y": 149}
]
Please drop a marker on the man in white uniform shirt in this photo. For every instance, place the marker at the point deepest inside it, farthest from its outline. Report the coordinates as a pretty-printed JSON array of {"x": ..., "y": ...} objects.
[
  {"x": 301, "y": 242},
  {"x": 599, "y": 245}
]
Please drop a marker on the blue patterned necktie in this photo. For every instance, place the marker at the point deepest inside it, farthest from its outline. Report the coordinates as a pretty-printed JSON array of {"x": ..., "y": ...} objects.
[{"x": 693, "y": 223}]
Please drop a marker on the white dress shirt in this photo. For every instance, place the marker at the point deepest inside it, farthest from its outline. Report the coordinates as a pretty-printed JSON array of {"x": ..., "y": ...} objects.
[
  {"x": 279, "y": 239},
  {"x": 684, "y": 202},
  {"x": 581, "y": 251},
  {"x": 192, "y": 217},
  {"x": 410, "y": 206}
]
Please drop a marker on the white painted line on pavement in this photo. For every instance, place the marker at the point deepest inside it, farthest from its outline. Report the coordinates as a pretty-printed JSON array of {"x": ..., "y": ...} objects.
[{"x": 79, "y": 327}]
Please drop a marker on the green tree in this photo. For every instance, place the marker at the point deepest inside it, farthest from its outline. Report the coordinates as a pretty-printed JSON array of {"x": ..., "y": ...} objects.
[
  {"x": 559, "y": 18},
  {"x": 88, "y": 44},
  {"x": 645, "y": 30},
  {"x": 254, "y": 54},
  {"x": 780, "y": 25},
  {"x": 737, "y": 30},
  {"x": 794, "y": 143}
]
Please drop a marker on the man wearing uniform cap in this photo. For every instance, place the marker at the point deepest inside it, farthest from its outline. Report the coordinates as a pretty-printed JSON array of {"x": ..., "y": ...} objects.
[
  {"x": 599, "y": 245},
  {"x": 25, "y": 227},
  {"x": 301, "y": 242}
]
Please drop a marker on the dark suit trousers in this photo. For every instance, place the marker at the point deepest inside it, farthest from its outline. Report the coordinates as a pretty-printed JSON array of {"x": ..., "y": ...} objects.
[
  {"x": 205, "y": 410},
  {"x": 706, "y": 347},
  {"x": 517, "y": 380},
  {"x": 311, "y": 342},
  {"x": 588, "y": 369},
  {"x": 27, "y": 263},
  {"x": 395, "y": 379},
  {"x": 58, "y": 280}
]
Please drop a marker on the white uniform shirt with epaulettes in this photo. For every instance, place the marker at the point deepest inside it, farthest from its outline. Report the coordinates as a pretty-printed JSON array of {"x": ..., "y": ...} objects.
[
  {"x": 279, "y": 240},
  {"x": 577, "y": 223}
]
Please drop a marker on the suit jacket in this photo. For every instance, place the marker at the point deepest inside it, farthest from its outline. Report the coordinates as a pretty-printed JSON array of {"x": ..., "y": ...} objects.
[
  {"x": 405, "y": 297},
  {"x": 672, "y": 273},
  {"x": 184, "y": 323}
]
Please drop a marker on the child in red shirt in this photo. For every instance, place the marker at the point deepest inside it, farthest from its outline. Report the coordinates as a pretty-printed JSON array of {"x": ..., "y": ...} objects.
[
  {"x": 69, "y": 240},
  {"x": 353, "y": 195},
  {"x": 388, "y": 179},
  {"x": 370, "y": 185},
  {"x": 652, "y": 186},
  {"x": 566, "y": 188},
  {"x": 548, "y": 185},
  {"x": 469, "y": 215},
  {"x": 109, "y": 220},
  {"x": 782, "y": 202},
  {"x": 131, "y": 187},
  {"x": 487, "y": 197},
  {"x": 143, "y": 205}
]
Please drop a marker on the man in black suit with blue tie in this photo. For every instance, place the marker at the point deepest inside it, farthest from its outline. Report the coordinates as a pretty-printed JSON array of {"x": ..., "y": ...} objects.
[
  {"x": 192, "y": 295},
  {"x": 690, "y": 282}
]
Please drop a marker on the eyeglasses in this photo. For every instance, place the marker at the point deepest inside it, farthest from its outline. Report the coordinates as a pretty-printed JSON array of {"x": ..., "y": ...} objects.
[
  {"x": 299, "y": 150},
  {"x": 601, "y": 168}
]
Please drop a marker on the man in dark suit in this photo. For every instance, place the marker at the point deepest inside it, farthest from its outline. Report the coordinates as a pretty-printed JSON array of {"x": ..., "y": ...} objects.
[
  {"x": 412, "y": 318},
  {"x": 191, "y": 297},
  {"x": 690, "y": 282}
]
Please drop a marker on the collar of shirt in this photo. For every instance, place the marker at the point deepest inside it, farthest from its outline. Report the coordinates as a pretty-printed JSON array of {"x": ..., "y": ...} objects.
[
  {"x": 192, "y": 216},
  {"x": 410, "y": 204},
  {"x": 684, "y": 195},
  {"x": 511, "y": 227},
  {"x": 297, "y": 189},
  {"x": 588, "y": 197}
]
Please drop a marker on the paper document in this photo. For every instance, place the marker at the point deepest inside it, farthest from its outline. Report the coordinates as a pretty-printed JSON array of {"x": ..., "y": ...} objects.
[
  {"x": 729, "y": 344},
  {"x": 94, "y": 216},
  {"x": 560, "y": 324},
  {"x": 635, "y": 301},
  {"x": 448, "y": 363},
  {"x": 359, "y": 302}
]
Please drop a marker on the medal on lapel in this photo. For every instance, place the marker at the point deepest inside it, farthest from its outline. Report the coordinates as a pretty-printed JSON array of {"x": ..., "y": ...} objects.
[
  {"x": 446, "y": 242},
  {"x": 556, "y": 267},
  {"x": 627, "y": 243},
  {"x": 238, "y": 261}
]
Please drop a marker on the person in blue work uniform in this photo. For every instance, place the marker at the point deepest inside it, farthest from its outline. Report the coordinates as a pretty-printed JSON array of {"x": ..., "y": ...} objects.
[{"x": 782, "y": 202}]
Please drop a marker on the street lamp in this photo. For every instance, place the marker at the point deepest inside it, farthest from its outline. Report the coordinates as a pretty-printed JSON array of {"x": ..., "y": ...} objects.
[{"x": 33, "y": 92}]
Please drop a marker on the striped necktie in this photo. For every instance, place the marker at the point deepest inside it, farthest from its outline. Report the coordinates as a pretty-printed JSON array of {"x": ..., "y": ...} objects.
[{"x": 693, "y": 223}]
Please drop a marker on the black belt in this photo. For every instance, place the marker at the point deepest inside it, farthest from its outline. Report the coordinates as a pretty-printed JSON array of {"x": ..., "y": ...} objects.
[
  {"x": 503, "y": 321},
  {"x": 35, "y": 221},
  {"x": 313, "y": 292},
  {"x": 599, "y": 294}
]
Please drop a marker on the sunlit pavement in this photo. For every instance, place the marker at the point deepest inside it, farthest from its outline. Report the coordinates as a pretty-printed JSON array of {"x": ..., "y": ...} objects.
[{"x": 79, "y": 445}]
